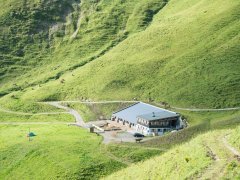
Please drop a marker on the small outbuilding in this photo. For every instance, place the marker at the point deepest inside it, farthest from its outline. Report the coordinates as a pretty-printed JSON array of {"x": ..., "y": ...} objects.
[
  {"x": 91, "y": 129},
  {"x": 148, "y": 119}
]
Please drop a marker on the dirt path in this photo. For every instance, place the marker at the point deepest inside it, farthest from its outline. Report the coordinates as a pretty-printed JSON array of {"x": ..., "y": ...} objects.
[
  {"x": 29, "y": 114},
  {"x": 77, "y": 116},
  {"x": 235, "y": 152},
  {"x": 79, "y": 119},
  {"x": 94, "y": 102},
  {"x": 38, "y": 123},
  {"x": 199, "y": 110},
  {"x": 214, "y": 169},
  {"x": 202, "y": 110},
  {"x": 222, "y": 153},
  {"x": 173, "y": 107}
]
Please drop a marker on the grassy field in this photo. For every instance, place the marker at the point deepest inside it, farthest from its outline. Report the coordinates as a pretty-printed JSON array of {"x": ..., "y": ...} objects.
[
  {"x": 4, "y": 117},
  {"x": 60, "y": 152},
  {"x": 7, "y": 117},
  {"x": 56, "y": 152}
]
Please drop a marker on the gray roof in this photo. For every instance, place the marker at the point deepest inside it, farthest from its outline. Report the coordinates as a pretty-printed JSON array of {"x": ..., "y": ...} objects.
[
  {"x": 131, "y": 113},
  {"x": 158, "y": 115}
]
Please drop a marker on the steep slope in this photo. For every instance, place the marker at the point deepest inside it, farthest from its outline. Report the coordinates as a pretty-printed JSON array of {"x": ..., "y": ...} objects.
[
  {"x": 40, "y": 40},
  {"x": 187, "y": 56}
]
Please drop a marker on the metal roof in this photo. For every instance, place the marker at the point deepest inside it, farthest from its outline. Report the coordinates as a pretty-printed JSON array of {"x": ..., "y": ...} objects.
[
  {"x": 158, "y": 115},
  {"x": 131, "y": 113}
]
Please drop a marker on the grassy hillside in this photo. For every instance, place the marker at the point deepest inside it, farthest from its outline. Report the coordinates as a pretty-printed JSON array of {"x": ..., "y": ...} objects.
[
  {"x": 204, "y": 157},
  {"x": 52, "y": 32},
  {"x": 13, "y": 102},
  {"x": 185, "y": 52}
]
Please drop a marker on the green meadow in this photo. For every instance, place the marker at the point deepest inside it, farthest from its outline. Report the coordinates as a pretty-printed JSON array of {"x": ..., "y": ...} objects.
[
  {"x": 62, "y": 118},
  {"x": 59, "y": 152}
]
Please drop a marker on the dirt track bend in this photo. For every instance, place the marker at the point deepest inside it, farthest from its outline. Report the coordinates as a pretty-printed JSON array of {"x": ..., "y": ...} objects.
[{"x": 78, "y": 118}]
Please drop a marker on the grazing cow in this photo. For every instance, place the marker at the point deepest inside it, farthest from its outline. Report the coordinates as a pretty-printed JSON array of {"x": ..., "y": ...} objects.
[{"x": 138, "y": 140}]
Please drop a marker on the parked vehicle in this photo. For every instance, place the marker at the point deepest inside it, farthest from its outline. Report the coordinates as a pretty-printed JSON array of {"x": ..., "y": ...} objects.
[{"x": 138, "y": 135}]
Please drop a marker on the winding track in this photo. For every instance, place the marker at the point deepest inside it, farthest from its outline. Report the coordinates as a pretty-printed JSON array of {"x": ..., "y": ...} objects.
[
  {"x": 37, "y": 123},
  {"x": 94, "y": 102},
  {"x": 173, "y": 107},
  {"x": 30, "y": 114},
  {"x": 199, "y": 110},
  {"x": 77, "y": 116},
  {"x": 79, "y": 119}
]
